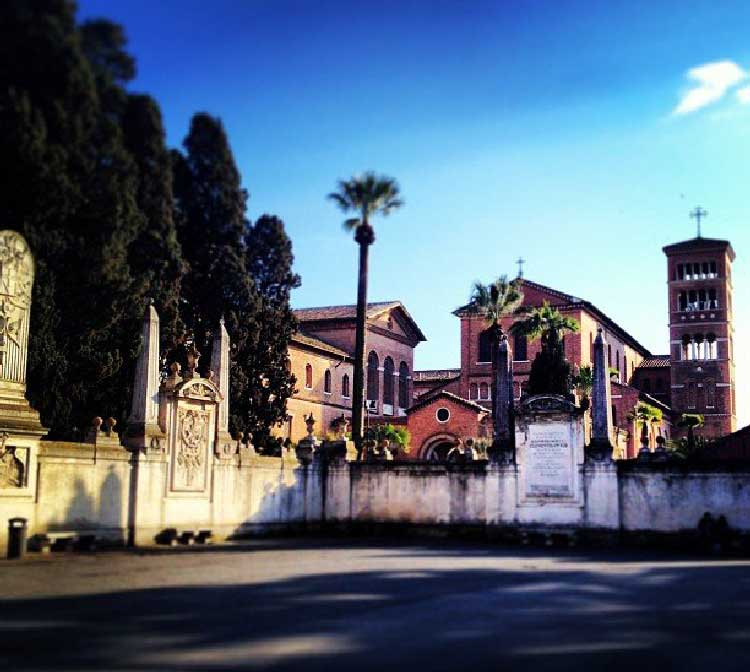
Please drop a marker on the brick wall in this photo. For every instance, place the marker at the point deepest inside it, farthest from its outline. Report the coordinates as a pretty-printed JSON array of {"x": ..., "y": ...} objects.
[{"x": 425, "y": 428}]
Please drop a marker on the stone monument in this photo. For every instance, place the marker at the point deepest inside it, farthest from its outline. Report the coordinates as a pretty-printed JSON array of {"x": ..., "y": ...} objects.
[
  {"x": 144, "y": 432},
  {"x": 550, "y": 456},
  {"x": 600, "y": 447},
  {"x": 20, "y": 426},
  {"x": 225, "y": 447},
  {"x": 502, "y": 449}
]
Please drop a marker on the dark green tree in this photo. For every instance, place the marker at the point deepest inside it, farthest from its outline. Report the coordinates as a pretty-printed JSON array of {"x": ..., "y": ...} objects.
[
  {"x": 68, "y": 185},
  {"x": 256, "y": 408},
  {"x": 210, "y": 204},
  {"x": 550, "y": 372},
  {"x": 155, "y": 256}
]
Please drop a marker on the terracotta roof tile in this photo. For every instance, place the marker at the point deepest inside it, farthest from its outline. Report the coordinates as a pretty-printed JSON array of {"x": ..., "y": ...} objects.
[
  {"x": 435, "y": 375},
  {"x": 655, "y": 362},
  {"x": 429, "y": 398},
  {"x": 303, "y": 339}
]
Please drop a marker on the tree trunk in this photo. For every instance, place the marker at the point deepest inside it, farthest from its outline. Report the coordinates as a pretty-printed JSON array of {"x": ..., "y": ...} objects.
[{"x": 364, "y": 238}]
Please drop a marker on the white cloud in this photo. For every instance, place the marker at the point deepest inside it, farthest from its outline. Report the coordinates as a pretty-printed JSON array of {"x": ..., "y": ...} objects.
[
  {"x": 713, "y": 81},
  {"x": 743, "y": 95}
]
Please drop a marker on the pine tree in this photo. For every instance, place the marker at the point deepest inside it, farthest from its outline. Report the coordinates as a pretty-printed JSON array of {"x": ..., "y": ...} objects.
[{"x": 257, "y": 408}]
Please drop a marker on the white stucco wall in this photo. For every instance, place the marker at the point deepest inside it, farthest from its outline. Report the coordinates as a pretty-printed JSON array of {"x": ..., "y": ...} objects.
[{"x": 77, "y": 488}]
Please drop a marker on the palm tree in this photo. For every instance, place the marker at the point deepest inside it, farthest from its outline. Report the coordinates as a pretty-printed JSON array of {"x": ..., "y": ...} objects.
[
  {"x": 546, "y": 323},
  {"x": 366, "y": 195},
  {"x": 494, "y": 301},
  {"x": 550, "y": 373},
  {"x": 692, "y": 421}
]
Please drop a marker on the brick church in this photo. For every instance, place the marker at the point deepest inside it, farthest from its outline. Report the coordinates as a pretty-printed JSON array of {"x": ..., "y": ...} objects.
[{"x": 443, "y": 407}]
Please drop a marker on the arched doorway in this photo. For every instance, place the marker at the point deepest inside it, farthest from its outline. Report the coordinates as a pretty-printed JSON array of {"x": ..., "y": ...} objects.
[{"x": 437, "y": 447}]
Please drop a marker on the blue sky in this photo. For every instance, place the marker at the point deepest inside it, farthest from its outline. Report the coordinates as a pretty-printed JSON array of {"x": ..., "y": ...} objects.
[{"x": 576, "y": 134}]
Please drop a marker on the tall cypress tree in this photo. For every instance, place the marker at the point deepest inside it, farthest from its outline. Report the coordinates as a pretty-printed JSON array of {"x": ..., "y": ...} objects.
[
  {"x": 155, "y": 256},
  {"x": 48, "y": 106},
  {"x": 210, "y": 211},
  {"x": 258, "y": 407},
  {"x": 71, "y": 187}
]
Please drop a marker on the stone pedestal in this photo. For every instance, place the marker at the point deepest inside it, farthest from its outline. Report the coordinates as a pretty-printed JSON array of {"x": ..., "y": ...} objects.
[
  {"x": 20, "y": 425},
  {"x": 550, "y": 456}
]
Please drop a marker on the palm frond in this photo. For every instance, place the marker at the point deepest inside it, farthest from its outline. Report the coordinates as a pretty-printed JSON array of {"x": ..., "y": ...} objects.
[{"x": 351, "y": 224}]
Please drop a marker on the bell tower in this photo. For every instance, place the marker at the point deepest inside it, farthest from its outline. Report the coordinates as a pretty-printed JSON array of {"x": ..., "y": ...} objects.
[{"x": 701, "y": 331}]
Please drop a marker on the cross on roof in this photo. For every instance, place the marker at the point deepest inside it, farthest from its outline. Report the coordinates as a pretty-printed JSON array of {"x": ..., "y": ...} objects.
[
  {"x": 520, "y": 261},
  {"x": 697, "y": 214}
]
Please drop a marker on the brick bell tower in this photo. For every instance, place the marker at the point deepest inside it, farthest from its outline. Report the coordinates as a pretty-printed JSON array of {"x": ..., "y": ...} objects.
[{"x": 701, "y": 331}]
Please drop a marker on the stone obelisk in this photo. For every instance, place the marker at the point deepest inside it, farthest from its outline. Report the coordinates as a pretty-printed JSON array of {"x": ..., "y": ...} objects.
[{"x": 601, "y": 403}]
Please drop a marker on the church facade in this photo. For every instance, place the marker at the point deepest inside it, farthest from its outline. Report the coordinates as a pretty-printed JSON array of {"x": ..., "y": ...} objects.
[{"x": 443, "y": 407}]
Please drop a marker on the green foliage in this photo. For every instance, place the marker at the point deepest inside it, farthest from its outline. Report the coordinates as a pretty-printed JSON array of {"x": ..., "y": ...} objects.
[
  {"x": 367, "y": 195},
  {"x": 550, "y": 372},
  {"x": 691, "y": 420},
  {"x": 646, "y": 413},
  {"x": 583, "y": 381},
  {"x": 114, "y": 220},
  {"x": 70, "y": 186},
  {"x": 399, "y": 436},
  {"x": 156, "y": 255},
  {"x": 236, "y": 270},
  {"x": 268, "y": 259},
  {"x": 210, "y": 210},
  {"x": 499, "y": 298},
  {"x": 546, "y": 323}
]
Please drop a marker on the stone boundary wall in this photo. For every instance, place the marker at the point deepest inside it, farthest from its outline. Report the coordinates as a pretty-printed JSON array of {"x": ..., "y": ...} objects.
[{"x": 120, "y": 496}]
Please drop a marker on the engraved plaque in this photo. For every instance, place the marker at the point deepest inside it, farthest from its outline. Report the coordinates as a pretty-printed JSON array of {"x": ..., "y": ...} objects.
[{"x": 549, "y": 461}]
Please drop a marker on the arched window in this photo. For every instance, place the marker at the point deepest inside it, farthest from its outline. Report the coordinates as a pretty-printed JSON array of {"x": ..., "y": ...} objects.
[
  {"x": 625, "y": 368},
  {"x": 699, "y": 347},
  {"x": 609, "y": 355},
  {"x": 403, "y": 385},
  {"x": 388, "y": 381},
  {"x": 710, "y": 393},
  {"x": 484, "y": 391},
  {"x": 345, "y": 385},
  {"x": 687, "y": 347},
  {"x": 327, "y": 382},
  {"x": 520, "y": 348},
  {"x": 308, "y": 376},
  {"x": 711, "y": 346},
  {"x": 614, "y": 415},
  {"x": 373, "y": 381},
  {"x": 473, "y": 391},
  {"x": 617, "y": 356},
  {"x": 591, "y": 347},
  {"x": 692, "y": 394},
  {"x": 485, "y": 346}
]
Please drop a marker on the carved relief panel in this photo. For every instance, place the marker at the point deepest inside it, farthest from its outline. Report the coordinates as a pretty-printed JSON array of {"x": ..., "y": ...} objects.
[{"x": 193, "y": 408}]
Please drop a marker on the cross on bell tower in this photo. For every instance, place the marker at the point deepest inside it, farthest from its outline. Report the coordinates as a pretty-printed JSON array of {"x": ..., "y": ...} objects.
[{"x": 697, "y": 214}]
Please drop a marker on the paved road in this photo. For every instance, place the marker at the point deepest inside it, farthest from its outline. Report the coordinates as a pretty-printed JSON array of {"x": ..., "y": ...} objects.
[{"x": 374, "y": 605}]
